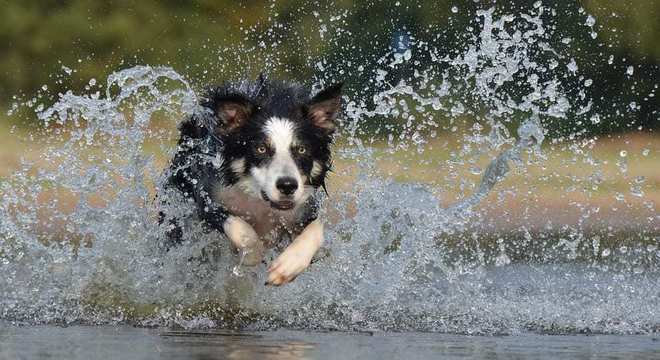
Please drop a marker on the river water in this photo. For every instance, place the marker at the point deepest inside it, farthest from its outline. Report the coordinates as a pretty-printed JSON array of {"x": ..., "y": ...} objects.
[{"x": 121, "y": 342}]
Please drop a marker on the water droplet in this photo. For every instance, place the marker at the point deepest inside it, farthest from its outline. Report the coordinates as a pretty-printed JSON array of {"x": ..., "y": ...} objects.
[
  {"x": 636, "y": 191},
  {"x": 454, "y": 9},
  {"x": 407, "y": 55},
  {"x": 590, "y": 21},
  {"x": 630, "y": 70},
  {"x": 623, "y": 153},
  {"x": 502, "y": 260}
]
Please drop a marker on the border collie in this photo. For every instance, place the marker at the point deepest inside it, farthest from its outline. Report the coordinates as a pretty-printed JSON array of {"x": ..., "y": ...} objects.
[{"x": 253, "y": 163}]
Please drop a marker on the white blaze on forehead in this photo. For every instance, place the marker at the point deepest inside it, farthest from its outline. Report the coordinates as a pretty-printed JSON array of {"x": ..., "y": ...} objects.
[
  {"x": 280, "y": 131},
  {"x": 281, "y": 135}
]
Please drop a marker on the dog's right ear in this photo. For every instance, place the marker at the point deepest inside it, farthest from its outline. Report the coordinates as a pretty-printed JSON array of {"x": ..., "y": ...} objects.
[
  {"x": 325, "y": 106},
  {"x": 232, "y": 112}
]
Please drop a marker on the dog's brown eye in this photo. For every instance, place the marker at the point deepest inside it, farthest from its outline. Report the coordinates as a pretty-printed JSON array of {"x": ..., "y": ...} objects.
[
  {"x": 301, "y": 150},
  {"x": 261, "y": 149}
]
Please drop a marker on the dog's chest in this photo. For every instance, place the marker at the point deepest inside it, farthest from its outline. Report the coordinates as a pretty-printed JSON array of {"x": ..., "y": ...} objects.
[{"x": 269, "y": 223}]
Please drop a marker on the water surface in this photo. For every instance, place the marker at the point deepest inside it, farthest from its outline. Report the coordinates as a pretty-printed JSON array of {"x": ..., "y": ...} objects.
[{"x": 123, "y": 342}]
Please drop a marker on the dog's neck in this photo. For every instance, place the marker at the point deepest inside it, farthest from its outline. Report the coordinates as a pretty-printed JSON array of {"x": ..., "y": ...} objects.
[{"x": 269, "y": 223}]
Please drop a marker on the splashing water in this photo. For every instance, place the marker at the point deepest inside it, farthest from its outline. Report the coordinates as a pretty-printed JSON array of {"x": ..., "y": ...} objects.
[{"x": 78, "y": 229}]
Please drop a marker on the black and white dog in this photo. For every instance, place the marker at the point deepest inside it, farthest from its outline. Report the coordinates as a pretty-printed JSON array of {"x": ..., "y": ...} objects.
[{"x": 253, "y": 164}]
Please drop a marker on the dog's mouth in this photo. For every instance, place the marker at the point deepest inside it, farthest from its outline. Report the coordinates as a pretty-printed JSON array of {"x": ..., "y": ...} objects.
[{"x": 279, "y": 205}]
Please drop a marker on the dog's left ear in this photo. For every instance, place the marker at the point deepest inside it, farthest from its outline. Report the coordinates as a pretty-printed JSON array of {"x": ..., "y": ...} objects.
[
  {"x": 232, "y": 111},
  {"x": 325, "y": 106}
]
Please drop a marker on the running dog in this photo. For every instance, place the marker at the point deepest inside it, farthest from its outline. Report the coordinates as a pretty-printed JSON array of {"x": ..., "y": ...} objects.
[{"x": 253, "y": 162}]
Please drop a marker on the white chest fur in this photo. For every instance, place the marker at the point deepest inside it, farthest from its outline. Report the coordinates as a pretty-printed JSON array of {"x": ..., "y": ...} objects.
[{"x": 268, "y": 223}]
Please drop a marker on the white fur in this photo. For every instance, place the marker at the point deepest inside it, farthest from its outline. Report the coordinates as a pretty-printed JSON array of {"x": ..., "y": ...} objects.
[
  {"x": 316, "y": 169},
  {"x": 240, "y": 232},
  {"x": 238, "y": 166},
  {"x": 245, "y": 240},
  {"x": 280, "y": 132}
]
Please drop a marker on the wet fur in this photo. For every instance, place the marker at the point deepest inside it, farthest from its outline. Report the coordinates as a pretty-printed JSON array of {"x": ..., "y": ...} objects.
[{"x": 215, "y": 161}]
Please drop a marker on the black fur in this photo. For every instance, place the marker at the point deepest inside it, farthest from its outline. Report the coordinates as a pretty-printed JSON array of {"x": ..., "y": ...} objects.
[{"x": 229, "y": 126}]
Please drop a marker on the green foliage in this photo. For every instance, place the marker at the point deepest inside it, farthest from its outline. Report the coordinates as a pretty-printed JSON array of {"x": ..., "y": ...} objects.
[{"x": 209, "y": 41}]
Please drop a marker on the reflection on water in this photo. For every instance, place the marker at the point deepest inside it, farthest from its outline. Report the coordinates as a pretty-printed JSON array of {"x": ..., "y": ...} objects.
[
  {"x": 105, "y": 342},
  {"x": 241, "y": 345}
]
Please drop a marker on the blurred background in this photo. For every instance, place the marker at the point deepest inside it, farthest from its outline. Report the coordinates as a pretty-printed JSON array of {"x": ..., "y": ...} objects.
[
  {"x": 50, "y": 47},
  {"x": 39, "y": 40}
]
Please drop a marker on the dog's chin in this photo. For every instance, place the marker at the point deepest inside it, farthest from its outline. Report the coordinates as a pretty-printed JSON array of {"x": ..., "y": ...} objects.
[
  {"x": 283, "y": 205},
  {"x": 279, "y": 205}
]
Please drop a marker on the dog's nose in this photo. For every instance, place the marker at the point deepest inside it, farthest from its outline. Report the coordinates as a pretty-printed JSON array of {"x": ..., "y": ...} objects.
[{"x": 286, "y": 185}]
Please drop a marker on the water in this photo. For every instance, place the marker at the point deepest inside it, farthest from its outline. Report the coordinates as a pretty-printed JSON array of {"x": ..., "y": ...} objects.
[
  {"x": 78, "y": 227},
  {"x": 121, "y": 342}
]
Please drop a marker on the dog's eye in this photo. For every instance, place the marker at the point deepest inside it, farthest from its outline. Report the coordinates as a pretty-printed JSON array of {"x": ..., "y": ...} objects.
[
  {"x": 302, "y": 150},
  {"x": 261, "y": 149}
]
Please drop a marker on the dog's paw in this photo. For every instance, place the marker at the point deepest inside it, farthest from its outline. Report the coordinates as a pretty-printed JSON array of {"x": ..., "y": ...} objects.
[
  {"x": 287, "y": 266},
  {"x": 245, "y": 240}
]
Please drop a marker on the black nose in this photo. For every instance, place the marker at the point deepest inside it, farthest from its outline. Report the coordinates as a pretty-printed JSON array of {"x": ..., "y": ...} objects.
[{"x": 286, "y": 185}]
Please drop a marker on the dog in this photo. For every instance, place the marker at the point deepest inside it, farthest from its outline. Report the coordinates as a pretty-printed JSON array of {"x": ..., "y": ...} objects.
[{"x": 254, "y": 163}]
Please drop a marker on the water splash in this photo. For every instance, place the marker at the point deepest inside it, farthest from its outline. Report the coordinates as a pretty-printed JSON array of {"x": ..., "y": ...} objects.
[{"x": 78, "y": 226}]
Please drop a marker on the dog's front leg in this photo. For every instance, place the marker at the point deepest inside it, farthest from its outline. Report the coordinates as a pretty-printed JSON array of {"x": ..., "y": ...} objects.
[
  {"x": 244, "y": 239},
  {"x": 297, "y": 256}
]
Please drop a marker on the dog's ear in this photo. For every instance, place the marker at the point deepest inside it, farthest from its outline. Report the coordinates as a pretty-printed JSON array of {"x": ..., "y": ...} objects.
[
  {"x": 232, "y": 112},
  {"x": 324, "y": 108}
]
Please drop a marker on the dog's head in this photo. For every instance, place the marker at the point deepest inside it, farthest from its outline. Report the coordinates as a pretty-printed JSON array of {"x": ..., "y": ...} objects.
[{"x": 277, "y": 140}]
